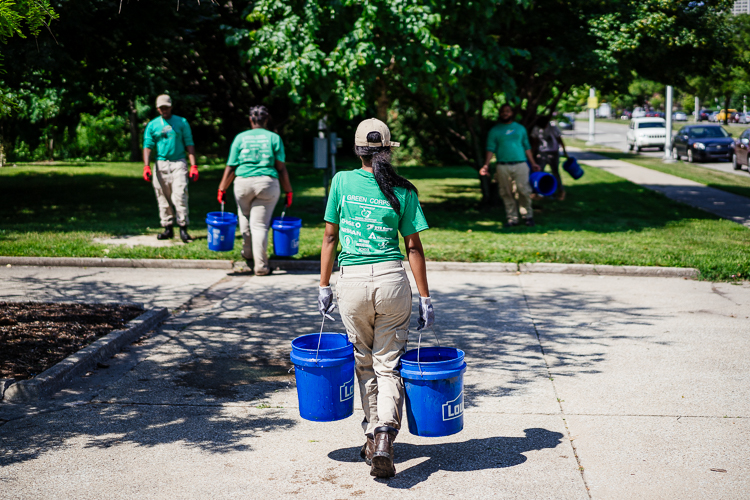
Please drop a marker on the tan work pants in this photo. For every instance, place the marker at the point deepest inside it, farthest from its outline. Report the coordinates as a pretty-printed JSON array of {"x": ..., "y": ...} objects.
[
  {"x": 375, "y": 306},
  {"x": 256, "y": 198},
  {"x": 507, "y": 176},
  {"x": 170, "y": 182}
]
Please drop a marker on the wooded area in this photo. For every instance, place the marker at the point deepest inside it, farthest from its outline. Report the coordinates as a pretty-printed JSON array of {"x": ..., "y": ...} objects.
[{"x": 437, "y": 71}]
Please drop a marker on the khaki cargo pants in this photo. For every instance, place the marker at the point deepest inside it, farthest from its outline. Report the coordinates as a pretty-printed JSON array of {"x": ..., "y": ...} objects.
[
  {"x": 256, "y": 198},
  {"x": 518, "y": 174},
  {"x": 170, "y": 182},
  {"x": 375, "y": 305}
]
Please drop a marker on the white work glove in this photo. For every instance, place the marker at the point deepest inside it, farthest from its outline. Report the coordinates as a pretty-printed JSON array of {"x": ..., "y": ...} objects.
[
  {"x": 325, "y": 301},
  {"x": 426, "y": 313}
]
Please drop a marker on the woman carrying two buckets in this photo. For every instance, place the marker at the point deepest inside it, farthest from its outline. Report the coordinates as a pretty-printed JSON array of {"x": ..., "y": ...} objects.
[
  {"x": 257, "y": 166},
  {"x": 366, "y": 210}
]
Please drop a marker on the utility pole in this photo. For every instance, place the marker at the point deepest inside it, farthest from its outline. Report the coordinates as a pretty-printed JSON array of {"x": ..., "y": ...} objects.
[
  {"x": 668, "y": 137},
  {"x": 592, "y": 105}
]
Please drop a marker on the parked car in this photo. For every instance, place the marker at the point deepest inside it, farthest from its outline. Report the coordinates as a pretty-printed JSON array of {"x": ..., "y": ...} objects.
[
  {"x": 723, "y": 114},
  {"x": 647, "y": 133},
  {"x": 743, "y": 117},
  {"x": 712, "y": 116},
  {"x": 741, "y": 149},
  {"x": 679, "y": 116},
  {"x": 703, "y": 116},
  {"x": 703, "y": 142},
  {"x": 567, "y": 121},
  {"x": 626, "y": 115},
  {"x": 638, "y": 112}
]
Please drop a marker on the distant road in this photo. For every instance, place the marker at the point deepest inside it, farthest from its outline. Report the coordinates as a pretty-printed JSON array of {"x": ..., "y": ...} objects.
[{"x": 614, "y": 135}]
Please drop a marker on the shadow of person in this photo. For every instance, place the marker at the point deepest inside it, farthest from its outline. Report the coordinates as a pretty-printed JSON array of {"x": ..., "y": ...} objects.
[{"x": 471, "y": 455}]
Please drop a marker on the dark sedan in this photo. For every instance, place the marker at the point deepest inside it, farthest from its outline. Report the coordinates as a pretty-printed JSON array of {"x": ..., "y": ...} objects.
[{"x": 702, "y": 143}]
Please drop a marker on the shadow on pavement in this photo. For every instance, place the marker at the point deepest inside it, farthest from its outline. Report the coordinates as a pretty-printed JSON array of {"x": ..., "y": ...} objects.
[{"x": 471, "y": 455}]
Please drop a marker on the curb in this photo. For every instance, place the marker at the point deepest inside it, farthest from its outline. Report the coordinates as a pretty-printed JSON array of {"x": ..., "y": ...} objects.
[
  {"x": 314, "y": 266},
  {"x": 104, "y": 262},
  {"x": 78, "y": 363},
  {"x": 605, "y": 270}
]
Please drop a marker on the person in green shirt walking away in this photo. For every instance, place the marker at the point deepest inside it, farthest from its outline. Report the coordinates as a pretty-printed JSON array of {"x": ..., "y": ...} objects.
[
  {"x": 509, "y": 143},
  {"x": 367, "y": 209},
  {"x": 256, "y": 165},
  {"x": 171, "y": 136}
]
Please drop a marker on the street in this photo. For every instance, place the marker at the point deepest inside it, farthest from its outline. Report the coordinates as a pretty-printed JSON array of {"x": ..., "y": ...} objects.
[{"x": 614, "y": 135}]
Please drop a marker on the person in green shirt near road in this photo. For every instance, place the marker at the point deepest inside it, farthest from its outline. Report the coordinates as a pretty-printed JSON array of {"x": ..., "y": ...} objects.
[
  {"x": 256, "y": 165},
  {"x": 366, "y": 211},
  {"x": 509, "y": 143},
  {"x": 171, "y": 136}
]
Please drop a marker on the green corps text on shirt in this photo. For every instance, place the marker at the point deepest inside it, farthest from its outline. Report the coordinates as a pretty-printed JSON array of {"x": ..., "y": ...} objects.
[
  {"x": 509, "y": 142},
  {"x": 170, "y": 136},
  {"x": 254, "y": 153},
  {"x": 368, "y": 226}
]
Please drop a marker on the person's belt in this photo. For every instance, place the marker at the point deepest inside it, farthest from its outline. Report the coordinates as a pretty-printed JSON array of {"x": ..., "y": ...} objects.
[{"x": 510, "y": 162}]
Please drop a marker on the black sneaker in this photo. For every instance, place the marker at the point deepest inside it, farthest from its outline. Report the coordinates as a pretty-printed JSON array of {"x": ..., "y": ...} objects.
[
  {"x": 530, "y": 222},
  {"x": 168, "y": 234},
  {"x": 184, "y": 236}
]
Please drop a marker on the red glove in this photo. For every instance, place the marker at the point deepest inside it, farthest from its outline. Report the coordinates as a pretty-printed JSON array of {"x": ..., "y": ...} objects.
[
  {"x": 221, "y": 196},
  {"x": 193, "y": 175},
  {"x": 146, "y": 173},
  {"x": 288, "y": 200}
]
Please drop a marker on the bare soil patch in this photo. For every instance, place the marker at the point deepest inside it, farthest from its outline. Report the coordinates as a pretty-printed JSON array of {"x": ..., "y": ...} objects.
[{"x": 35, "y": 336}]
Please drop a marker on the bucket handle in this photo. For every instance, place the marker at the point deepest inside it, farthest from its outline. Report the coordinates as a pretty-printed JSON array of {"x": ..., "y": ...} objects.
[
  {"x": 320, "y": 337},
  {"x": 419, "y": 344}
]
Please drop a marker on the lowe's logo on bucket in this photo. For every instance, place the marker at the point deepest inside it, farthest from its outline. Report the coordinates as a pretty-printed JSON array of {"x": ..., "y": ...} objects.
[
  {"x": 347, "y": 390},
  {"x": 454, "y": 409}
]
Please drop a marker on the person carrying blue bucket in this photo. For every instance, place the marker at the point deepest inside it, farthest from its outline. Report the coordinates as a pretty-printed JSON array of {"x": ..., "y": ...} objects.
[
  {"x": 367, "y": 209},
  {"x": 256, "y": 164}
]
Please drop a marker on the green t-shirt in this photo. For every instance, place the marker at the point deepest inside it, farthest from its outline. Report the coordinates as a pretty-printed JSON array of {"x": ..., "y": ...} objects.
[
  {"x": 170, "y": 136},
  {"x": 254, "y": 152},
  {"x": 368, "y": 226},
  {"x": 509, "y": 142}
]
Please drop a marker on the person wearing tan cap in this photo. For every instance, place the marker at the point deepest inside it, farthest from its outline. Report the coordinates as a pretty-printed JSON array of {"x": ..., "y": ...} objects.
[
  {"x": 171, "y": 136},
  {"x": 367, "y": 209}
]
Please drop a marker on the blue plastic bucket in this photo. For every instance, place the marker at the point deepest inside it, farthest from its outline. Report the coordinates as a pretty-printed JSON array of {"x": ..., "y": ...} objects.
[
  {"x": 325, "y": 376},
  {"x": 543, "y": 183},
  {"x": 221, "y": 227},
  {"x": 286, "y": 235},
  {"x": 434, "y": 389},
  {"x": 572, "y": 167}
]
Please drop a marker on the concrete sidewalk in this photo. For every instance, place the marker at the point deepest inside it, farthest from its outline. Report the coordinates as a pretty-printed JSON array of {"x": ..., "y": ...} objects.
[
  {"x": 577, "y": 387},
  {"x": 727, "y": 205}
]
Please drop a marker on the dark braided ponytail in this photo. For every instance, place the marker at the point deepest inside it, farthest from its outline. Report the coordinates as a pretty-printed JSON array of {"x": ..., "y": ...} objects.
[
  {"x": 385, "y": 174},
  {"x": 259, "y": 115}
]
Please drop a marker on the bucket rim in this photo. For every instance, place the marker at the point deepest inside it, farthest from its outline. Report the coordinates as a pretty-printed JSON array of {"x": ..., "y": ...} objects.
[{"x": 302, "y": 349}]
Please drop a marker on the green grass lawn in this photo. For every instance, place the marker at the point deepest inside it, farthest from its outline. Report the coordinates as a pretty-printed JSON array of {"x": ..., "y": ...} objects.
[{"x": 57, "y": 210}]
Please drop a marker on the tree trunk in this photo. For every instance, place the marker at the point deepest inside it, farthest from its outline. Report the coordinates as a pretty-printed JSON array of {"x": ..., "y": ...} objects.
[
  {"x": 135, "y": 150},
  {"x": 383, "y": 102},
  {"x": 726, "y": 109}
]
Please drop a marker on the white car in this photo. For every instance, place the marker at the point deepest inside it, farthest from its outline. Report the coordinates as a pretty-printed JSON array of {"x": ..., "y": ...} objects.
[
  {"x": 638, "y": 113},
  {"x": 679, "y": 116},
  {"x": 647, "y": 133}
]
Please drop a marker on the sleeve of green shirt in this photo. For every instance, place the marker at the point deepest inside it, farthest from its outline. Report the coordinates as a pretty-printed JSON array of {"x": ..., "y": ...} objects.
[
  {"x": 413, "y": 220},
  {"x": 148, "y": 140},
  {"x": 334, "y": 201},
  {"x": 278, "y": 149},
  {"x": 492, "y": 141},
  {"x": 234, "y": 153},
  {"x": 524, "y": 138},
  {"x": 187, "y": 134}
]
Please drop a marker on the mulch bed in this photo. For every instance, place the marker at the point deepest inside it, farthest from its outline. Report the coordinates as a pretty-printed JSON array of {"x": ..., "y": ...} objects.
[{"x": 35, "y": 336}]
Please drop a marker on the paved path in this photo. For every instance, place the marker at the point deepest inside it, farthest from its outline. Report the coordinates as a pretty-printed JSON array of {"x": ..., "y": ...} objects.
[
  {"x": 614, "y": 135},
  {"x": 727, "y": 205},
  {"x": 577, "y": 387}
]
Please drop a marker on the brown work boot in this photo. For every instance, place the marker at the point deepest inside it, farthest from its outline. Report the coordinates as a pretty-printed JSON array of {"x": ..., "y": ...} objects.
[
  {"x": 382, "y": 457},
  {"x": 368, "y": 449}
]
